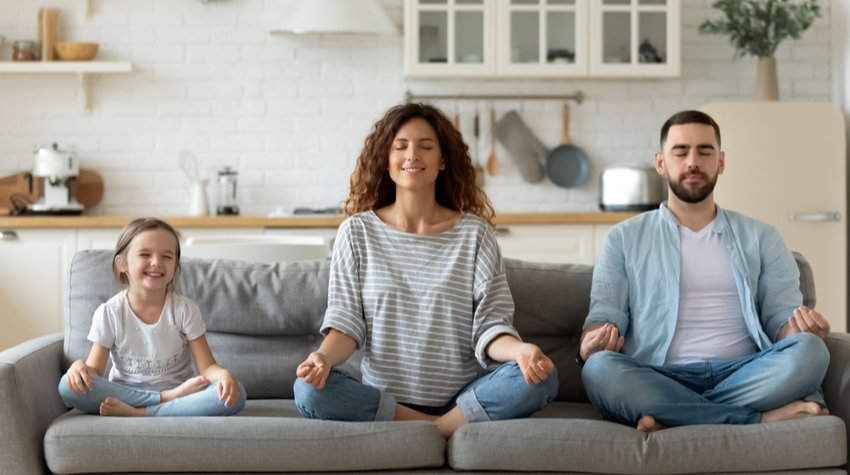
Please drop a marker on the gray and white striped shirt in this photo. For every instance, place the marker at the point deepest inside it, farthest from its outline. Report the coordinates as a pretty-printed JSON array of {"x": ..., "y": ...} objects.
[{"x": 424, "y": 306}]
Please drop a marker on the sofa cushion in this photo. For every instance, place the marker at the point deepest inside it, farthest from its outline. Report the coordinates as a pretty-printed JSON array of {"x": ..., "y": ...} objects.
[
  {"x": 268, "y": 436},
  {"x": 592, "y": 446}
]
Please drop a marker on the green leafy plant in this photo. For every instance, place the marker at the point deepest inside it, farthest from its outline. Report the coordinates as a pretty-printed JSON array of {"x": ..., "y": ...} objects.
[{"x": 756, "y": 27}]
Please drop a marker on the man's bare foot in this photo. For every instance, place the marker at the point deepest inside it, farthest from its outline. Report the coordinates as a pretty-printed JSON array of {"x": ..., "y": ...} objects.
[
  {"x": 795, "y": 410},
  {"x": 115, "y": 408},
  {"x": 648, "y": 425},
  {"x": 191, "y": 386}
]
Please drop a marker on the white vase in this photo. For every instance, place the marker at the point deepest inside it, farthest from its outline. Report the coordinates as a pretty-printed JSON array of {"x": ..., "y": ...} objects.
[
  {"x": 198, "y": 203},
  {"x": 767, "y": 84}
]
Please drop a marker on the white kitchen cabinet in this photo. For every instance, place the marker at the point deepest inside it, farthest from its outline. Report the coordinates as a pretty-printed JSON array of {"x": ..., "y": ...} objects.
[
  {"x": 634, "y": 38},
  {"x": 547, "y": 243},
  {"x": 450, "y": 38},
  {"x": 108, "y": 238},
  {"x": 32, "y": 281},
  {"x": 542, "y": 38}
]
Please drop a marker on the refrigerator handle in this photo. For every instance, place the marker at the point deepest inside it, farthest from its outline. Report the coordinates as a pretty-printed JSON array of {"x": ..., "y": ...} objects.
[{"x": 830, "y": 216}]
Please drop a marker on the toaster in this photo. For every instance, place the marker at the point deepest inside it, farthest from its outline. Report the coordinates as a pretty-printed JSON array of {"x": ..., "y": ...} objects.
[{"x": 632, "y": 188}]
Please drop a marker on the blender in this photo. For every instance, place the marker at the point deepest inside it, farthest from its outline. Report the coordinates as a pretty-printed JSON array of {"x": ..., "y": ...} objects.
[{"x": 226, "y": 204}]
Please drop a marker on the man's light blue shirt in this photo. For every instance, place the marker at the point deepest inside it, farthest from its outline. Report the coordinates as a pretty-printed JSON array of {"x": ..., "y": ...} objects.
[{"x": 636, "y": 280}]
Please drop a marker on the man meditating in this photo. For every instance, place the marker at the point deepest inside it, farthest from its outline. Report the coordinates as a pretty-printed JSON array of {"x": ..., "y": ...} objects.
[{"x": 696, "y": 316}]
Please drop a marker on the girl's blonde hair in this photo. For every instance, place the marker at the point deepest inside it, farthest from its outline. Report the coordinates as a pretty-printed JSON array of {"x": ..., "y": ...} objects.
[{"x": 129, "y": 232}]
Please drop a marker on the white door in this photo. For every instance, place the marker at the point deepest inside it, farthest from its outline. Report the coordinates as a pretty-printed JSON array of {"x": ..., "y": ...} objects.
[
  {"x": 787, "y": 159},
  {"x": 32, "y": 277}
]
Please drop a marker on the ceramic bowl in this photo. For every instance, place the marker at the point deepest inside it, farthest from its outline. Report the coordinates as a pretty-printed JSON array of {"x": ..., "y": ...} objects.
[{"x": 77, "y": 51}]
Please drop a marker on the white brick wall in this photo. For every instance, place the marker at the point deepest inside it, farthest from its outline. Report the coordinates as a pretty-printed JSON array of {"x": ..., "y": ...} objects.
[{"x": 290, "y": 113}]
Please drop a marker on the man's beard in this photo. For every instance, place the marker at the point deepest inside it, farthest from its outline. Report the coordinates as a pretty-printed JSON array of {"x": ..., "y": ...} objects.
[{"x": 692, "y": 194}]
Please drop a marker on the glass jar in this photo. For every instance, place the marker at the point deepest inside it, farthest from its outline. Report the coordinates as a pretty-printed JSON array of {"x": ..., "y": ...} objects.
[{"x": 24, "y": 50}]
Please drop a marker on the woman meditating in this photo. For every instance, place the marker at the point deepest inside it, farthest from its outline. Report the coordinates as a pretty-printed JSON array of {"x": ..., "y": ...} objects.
[{"x": 417, "y": 279}]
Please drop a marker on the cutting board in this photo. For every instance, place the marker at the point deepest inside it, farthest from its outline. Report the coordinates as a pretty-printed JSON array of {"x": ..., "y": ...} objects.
[{"x": 89, "y": 189}]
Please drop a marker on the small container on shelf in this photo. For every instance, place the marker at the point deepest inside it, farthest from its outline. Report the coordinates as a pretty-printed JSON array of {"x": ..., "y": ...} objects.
[{"x": 24, "y": 50}]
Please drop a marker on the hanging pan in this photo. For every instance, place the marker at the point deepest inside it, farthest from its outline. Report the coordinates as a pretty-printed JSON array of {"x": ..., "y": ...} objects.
[{"x": 566, "y": 164}]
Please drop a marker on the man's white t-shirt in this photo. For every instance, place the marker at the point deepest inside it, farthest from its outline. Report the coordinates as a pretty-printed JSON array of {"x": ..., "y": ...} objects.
[
  {"x": 155, "y": 357},
  {"x": 710, "y": 324}
]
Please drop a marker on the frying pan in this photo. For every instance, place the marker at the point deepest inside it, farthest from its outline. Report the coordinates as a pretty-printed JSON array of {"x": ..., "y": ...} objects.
[{"x": 566, "y": 164}]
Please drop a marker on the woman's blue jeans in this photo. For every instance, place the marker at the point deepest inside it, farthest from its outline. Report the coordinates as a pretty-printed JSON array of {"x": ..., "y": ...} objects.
[
  {"x": 500, "y": 395},
  {"x": 202, "y": 403},
  {"x": 733, "y": 392}
]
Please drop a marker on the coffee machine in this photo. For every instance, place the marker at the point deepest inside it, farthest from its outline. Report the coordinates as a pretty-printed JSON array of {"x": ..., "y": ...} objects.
[{"x": 60, "y": 170}]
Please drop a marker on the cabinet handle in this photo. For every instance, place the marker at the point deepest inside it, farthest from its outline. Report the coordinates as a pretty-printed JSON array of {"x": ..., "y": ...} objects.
[
  {"x": 503, "y": 231},
  {"x": 8, "y": 235},
  {"x": 817, "y": 217}
]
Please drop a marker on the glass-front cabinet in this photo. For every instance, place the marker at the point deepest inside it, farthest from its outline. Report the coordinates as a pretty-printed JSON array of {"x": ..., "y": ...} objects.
[
  {"x": 541, "y": 38},
  {"x": 638, "y": 38},
  {"x": 450, "y": 38}
]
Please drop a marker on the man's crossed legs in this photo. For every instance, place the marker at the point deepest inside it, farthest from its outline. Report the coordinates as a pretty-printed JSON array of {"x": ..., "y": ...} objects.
[{"x": 780, "y": 383}]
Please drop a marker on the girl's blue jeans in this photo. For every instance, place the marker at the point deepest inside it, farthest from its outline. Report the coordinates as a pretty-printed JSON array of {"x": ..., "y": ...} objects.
[
  {"x": 500, "y": 395},
  {"x": 202, "y": 403},
  {"x": 732, "y": 392}
]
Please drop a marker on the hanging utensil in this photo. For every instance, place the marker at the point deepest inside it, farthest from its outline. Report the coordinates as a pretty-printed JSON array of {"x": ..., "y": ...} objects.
[
  {"x": 492, "y": 160},
  {"x": 476, "y": 162},
  {"x": 526, "y": 149},
  {"x": 567, "y": 165}
]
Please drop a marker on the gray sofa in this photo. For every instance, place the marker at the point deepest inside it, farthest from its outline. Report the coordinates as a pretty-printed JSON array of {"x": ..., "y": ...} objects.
[{"x": 263, "y": 320}]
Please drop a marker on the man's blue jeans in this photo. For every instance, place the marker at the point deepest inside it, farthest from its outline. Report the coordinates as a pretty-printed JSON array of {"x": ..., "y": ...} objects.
[
  {"x": 202, "y": 403},
  {"x": 500, "y": 395},
  {"x": 733, "y": 392}
]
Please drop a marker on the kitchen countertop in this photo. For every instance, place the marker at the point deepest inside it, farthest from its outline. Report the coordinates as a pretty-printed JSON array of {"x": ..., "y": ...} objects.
[{"x": 108, "y": 222}]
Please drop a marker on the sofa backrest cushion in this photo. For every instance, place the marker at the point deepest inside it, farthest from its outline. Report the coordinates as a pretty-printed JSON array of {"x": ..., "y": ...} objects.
[{"x": 263, "y": 319}]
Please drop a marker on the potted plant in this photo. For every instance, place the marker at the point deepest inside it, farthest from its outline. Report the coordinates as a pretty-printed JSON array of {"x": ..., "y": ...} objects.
[{"x": 756, "y": 27}]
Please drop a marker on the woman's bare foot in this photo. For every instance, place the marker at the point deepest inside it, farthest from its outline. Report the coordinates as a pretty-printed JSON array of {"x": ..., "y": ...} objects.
[
  {"x": 795, "y": 410},
  {"x": 648, "y": 425},
  {"x": 191, "y": 386},
  {"x": 404, "y": 413},
  {"x": 115, "y": 408}
]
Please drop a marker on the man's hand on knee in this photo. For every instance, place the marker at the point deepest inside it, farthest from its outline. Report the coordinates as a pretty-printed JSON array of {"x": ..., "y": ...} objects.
[
  {"x": 603, "y": 337},
  {"x": 805, "y": 320}
]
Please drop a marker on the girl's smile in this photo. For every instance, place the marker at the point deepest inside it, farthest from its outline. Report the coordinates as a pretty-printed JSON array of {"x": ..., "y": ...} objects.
[{"x": 150, "y": 260}]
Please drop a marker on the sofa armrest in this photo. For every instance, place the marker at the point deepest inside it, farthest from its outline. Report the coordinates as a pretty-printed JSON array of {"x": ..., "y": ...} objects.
[
  {"x": 29, "y": 378},
  {"x": 836, "y": 383}
]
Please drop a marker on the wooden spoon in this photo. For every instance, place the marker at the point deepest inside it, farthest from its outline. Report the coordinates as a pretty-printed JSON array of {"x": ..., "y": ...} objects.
[
  {"x": 492, "y": 160},
  {"x": 476, "y": 163}
]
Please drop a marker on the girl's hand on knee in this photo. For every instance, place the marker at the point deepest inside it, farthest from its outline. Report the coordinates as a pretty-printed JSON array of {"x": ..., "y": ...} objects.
[
  {"x": 79, "y": 377},
  {"x": 314, "y": 370},
  {"x": 535, "y": 365},
  {"x": 228, "y": 389}
]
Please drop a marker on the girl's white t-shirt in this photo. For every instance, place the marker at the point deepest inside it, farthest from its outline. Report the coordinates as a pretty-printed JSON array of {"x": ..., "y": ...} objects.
[{"x": 155, "y": 357}]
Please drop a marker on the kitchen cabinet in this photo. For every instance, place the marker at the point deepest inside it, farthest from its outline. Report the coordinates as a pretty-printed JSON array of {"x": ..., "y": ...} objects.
[
  {"x": 575, "y": 244},
  {"x": 32, "y": 282},
  {"x": 541, "y": 38}
]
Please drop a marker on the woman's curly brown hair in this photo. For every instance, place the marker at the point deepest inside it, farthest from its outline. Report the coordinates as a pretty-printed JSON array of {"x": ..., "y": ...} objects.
[{"x": 456, "y": 189}]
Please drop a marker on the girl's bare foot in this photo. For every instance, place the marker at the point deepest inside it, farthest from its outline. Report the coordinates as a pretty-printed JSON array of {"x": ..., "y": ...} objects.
[
  {"x": 795, "y": 410},
  {"x": 115, "y": 408},
  {"x": 648, "y": 425},
  {"x": 191, "y": 386}
]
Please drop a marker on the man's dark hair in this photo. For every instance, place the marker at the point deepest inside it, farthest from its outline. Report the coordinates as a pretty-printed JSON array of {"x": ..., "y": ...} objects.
[{"x": 689, "y": 117}]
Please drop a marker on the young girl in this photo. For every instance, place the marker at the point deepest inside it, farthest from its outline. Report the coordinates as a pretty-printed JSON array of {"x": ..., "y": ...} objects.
[
  {"x": 151, "y": 333},
  {"x": 418, "y": 280}
]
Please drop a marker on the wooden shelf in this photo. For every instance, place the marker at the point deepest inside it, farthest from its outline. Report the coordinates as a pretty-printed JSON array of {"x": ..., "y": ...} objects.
[{"x": 81, "y": 68}]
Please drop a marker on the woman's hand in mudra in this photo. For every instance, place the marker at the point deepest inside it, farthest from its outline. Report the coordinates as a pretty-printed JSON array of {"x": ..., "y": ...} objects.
[
  {"x": 314, "y": 370},
  {"x": 535, "y": 366}
]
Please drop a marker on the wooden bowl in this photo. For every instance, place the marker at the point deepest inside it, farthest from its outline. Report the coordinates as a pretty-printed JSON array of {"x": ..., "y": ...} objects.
[{"x": 77, "y": 51}]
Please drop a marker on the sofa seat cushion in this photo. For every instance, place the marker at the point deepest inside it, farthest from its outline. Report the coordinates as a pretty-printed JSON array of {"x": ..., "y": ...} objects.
[
  {"x": 268, "y": 436},
  {"x": 583, "y": 443}
]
